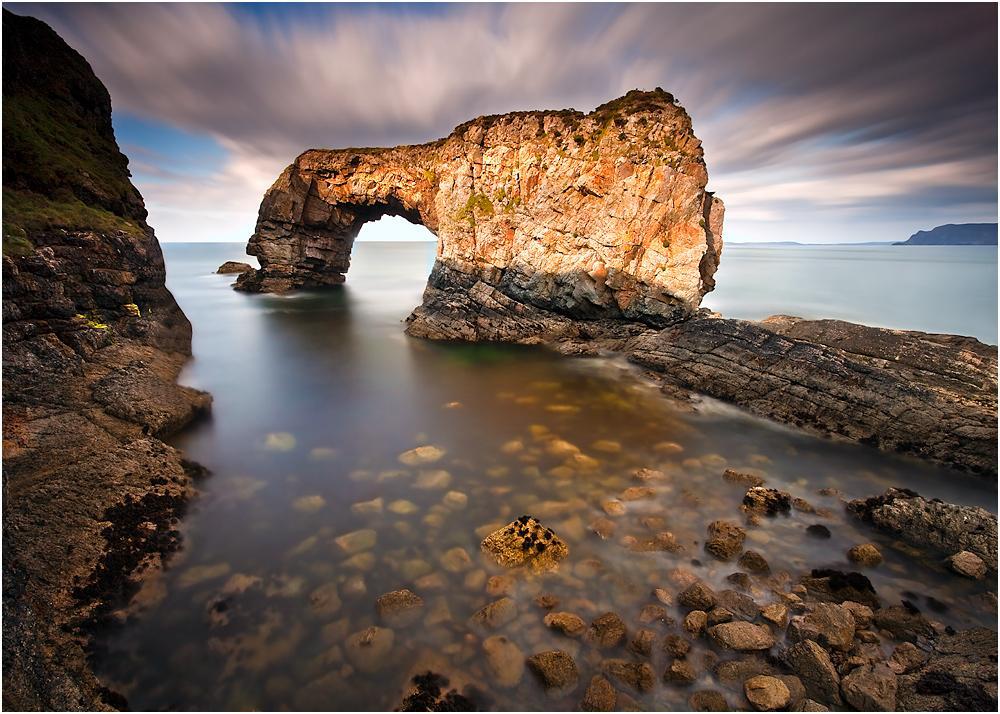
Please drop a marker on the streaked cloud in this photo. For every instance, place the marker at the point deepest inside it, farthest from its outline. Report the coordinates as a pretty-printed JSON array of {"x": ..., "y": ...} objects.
[{"x": 820, "y": 122}]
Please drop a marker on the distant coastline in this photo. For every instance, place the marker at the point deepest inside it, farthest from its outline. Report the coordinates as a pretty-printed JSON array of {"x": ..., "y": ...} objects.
[{"x": 955, "y": 234}]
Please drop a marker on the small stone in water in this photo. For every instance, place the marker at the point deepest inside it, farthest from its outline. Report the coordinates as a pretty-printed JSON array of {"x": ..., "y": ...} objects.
[
  {"x": 565, "y": 622},
  {"x": 614, "y": 508},
  {"x": 403, "y": 507},
  {"x": 767, "y": 694},
  {"x": 512, "y": 447},
  {"x": 606, "y": 631},
  {"x": 645, "y": 475},
  {"x": 279, "y": 441},
  {"x": 599, "y": 697},
  {"x": 663, "y": 596},
  {"x": 432, "y": 480},
  {"x": 368, "y": 649},
  {"x": 866, "y": 554},
  {"x": 422, "y": 455},
  {"x": 455, "y": 499},
  {"x": 818, "y": 530},
  {"x": 496, "y": 614},
  {"x": 547, "y": 601},
  {"x": 475, "y": 579},
  {"x": 968, "y": 564},
  {"x": 325, "y": 600},
  {"x": 556, "y": 670},
  {"x": 637, "y": 493},
  {"x": 399, "y": 608},
  {"x": 357, "y": 541},
  {"x": 754, "y": 562},
  {"x": 603, "y": 527},
  {"x": 505, "y": 661},
  {"x": 455, "y": 560},
  {"x": 322, "y": 453},
  {"x": 308, "y": 504},
  {"x": 742, "y": 478},
  {"x": 680, "y": 672},
  {"x": 361, "y": 561},
  {"x": 607, "y": 446},
  {"x": 373, "y": 506}
]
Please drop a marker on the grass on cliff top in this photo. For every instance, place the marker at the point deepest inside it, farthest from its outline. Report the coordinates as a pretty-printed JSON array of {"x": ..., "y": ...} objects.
[
  {"x": 47, "y": 148},
  {"x": 25, "y": 213}
]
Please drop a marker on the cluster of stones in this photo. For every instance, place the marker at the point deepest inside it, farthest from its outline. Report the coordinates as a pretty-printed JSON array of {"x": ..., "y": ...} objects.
[{"x": 767, "y": 642}]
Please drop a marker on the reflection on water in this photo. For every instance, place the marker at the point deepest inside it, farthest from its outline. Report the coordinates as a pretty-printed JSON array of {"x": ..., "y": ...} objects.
[{"x": 316, "y": 398}]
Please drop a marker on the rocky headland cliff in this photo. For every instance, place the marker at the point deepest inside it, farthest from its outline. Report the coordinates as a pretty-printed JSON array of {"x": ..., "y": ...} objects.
[
  {"x": 92, "y": 345},
  {"x": 595, "y": 232}
]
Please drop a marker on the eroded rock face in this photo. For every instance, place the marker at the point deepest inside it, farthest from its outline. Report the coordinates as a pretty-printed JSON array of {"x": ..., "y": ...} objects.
[
  {"x": 92, "y": 345},
  {"x": 586, "y": 216}
]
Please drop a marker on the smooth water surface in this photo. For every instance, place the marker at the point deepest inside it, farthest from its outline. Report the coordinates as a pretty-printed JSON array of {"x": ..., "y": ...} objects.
[
  {"x": 929, "y": 288},
  {"x": 316, "y": 397}
]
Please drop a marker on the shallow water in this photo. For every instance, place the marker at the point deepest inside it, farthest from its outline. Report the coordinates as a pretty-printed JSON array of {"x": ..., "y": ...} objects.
[
  {"x": 317, "y": 395},
  {"x": 949, "y": 289}
]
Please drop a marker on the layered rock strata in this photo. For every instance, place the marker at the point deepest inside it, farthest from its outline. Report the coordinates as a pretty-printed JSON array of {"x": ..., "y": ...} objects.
[
  {"x": 92, "y": 345},
  {"x": 931, "y": 396}
]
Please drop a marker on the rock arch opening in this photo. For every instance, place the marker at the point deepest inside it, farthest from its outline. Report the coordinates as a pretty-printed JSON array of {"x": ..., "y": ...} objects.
[{"x": 544, "y": 219}]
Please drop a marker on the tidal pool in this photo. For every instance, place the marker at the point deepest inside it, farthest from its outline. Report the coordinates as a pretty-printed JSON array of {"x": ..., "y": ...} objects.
[{"x": 316, "y": 503}]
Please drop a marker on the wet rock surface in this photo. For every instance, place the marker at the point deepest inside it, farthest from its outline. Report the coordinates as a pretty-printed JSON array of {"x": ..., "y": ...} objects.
[
  {"x": 944, "y": 527},
  {"x": 834, "y": 377},
  {"x": 233, "y": 267},
  {"x": 525, "y": 542},
  {"x": 556, "y": 670}
]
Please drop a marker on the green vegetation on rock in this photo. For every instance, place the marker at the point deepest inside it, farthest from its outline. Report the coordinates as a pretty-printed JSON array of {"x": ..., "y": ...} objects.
[{"x": 61, "y": 164}]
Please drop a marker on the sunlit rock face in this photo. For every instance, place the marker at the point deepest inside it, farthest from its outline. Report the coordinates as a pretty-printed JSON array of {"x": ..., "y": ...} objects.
[{"x": 603, "y": 215}]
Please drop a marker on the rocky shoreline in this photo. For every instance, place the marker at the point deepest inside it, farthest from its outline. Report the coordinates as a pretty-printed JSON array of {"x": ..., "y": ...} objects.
[
  {"x": 820, "y": 642},
  {"x": 92, "y": 346},
  {"x": 926, "y": 395}
]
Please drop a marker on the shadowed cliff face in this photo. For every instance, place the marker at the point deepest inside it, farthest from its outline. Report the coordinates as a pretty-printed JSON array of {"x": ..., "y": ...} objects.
[
  {"x": 603, "y": 215},
  {"x": 92, "y": 344}
]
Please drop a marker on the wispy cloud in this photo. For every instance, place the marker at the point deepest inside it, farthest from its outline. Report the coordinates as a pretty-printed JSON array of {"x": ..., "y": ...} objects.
[{"x": 817, "y": 119}]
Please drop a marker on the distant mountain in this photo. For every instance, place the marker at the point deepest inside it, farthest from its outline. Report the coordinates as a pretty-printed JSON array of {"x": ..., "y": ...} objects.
[{"x": 956, "y": 234}]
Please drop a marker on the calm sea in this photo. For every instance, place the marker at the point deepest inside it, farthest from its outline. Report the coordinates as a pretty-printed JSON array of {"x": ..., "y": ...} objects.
[
  {"x": 929, "y": 288},
  {"x": 319, "y": 396}
]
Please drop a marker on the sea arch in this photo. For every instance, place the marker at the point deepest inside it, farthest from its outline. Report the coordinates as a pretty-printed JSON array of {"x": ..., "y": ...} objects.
[{"x": 541, "y": 217}]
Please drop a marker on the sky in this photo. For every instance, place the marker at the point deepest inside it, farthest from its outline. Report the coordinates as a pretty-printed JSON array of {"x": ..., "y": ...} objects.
[{"x": 821, "y": 123}]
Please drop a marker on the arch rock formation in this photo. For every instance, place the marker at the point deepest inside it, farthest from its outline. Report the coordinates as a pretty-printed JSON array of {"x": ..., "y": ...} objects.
[{"x": 542, "y": 218}]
